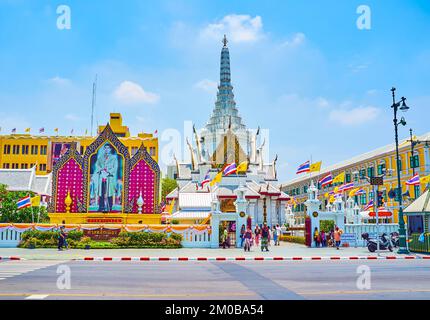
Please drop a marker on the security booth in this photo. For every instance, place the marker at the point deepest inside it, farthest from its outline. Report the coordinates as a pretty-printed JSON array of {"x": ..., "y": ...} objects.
[{"x": 418, "y": 215}]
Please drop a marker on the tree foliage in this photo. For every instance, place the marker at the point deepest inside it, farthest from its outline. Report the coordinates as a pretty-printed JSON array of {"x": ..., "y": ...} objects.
[
  {"x": 167, "y": 186},
  {"x": 9, "y": 210}
]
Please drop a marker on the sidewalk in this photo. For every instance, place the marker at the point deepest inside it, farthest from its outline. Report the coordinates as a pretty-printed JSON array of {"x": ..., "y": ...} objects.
[{"x": 285, "y": 250}]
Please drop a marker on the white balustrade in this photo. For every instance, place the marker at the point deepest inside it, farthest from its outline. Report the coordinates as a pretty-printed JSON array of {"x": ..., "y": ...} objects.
[{"x": 9, "y": 238}]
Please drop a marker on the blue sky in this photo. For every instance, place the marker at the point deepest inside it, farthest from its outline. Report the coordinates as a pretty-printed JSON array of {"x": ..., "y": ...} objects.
[{"x": 300, "y": 68}]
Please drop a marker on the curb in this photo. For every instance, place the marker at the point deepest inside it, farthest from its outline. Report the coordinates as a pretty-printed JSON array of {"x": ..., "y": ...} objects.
[
  {"x": 336, "y": 258},
  {"x": 11, "y": 258}
]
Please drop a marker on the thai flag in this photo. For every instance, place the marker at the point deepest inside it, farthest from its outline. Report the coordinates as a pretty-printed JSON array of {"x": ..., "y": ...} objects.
[
  {"x": 359, "y": 192},
  {"x": 368, "y": 206},
  {"x": 14, "y": 130},
  {"x": 24, "y": 203},
  {"x": 41, "y": 130},
  {"x": 230, "y": 169},
  {"x": 305, "y": 167},
  {"x": 346, "y": 187},
  {"x": 163, "y": 207},
  {"x": 206, "y": 180},
  {"x": 328, "y": 179},
  {"x": 414, "y": 181}
]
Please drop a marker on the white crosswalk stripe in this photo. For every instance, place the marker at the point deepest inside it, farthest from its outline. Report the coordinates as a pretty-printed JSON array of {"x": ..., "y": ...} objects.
[{"x": 12, "y": 268}]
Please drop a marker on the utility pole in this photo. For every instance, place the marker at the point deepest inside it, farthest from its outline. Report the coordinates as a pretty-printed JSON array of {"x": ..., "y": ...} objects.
[{"x": 93, "y": 104}]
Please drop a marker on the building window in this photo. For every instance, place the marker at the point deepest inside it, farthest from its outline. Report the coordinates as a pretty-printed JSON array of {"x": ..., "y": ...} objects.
[
  {"x": 347, "y": 178},
  {"x": 400, "y": 164},
  {"x": 34, "y": 149},
  {"x": 415, "y": 161},
  {"x": 370, "y": 172},
  {"x": 6, "y": 165},
  {"x": 24, "y": 165},
  {"x": 6, "y": 149},
  {"x": 32, "y": 165},
  {"x": 381, "y": 169},
  {"x": 43, "y": 150},
  {"x": 417, "y": 191},
  {"x": 24, "y": 149},
  {"x": 362, "y": 173},
  {"x": 305, "y": 189},
  {"x": 15, "y": 166},
  {"x": 15, "y": 149},
  {"x": 42, "y": 167},
  {"x": 363, "y": 199},
  {"x": 371, "y": 195}
]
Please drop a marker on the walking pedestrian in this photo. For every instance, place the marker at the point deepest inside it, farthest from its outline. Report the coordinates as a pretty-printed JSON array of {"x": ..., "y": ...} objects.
[
  {"x": 248, "y": 239},
  {"x": 242, "y": 235},
  {"x": 316, "y": 237},
  {"x": 337, "y": 237},
  {"x": 323, "y": 239},
  {"x": 278, "y": 234},
  {"x": 61, "y": 238},
  {"x": 275, "y": 236},
  {"x": 224, "y": 238},
  {"x": 257, "y": 235},
  {"x": 265, "y": 233}
]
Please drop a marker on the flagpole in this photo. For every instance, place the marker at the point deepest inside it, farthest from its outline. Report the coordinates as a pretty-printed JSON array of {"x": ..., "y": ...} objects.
[{"x": 31, "y": 206}]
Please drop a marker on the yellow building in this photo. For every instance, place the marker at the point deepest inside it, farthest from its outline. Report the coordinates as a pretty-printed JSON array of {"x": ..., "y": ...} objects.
[
  {"x": 23, "y": 151},
  {"x": 372, "y": 163}
]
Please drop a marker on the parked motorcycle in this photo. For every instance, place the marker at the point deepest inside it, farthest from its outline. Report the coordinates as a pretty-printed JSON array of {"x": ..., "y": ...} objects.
[
  {"x": 384, "y": 242},
  {"x": 395, "y": 239}
]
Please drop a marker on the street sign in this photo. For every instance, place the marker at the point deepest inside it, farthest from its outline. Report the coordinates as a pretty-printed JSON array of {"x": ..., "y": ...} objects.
[
  {"x": 376, "y": 181},
  {"x": 349, "y": 238}
]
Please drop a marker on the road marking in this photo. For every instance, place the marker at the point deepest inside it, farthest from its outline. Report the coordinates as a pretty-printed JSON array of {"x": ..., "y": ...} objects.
[
  {"x": 362, "y": 291},
  {"x": 13, "y": 268},
  {"x": 37, "y": 297},
  {"x": 128, "y": 295}
]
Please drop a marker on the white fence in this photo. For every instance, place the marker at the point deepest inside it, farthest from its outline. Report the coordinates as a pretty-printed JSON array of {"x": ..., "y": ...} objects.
[
  {"x": 9, "y": 238},
  {"x": 371, "y": 229},
  {"x": 194, "y": 239}
]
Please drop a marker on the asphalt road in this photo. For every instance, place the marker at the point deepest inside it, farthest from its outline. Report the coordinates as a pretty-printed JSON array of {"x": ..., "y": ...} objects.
[{"x": 215, "y": 280}]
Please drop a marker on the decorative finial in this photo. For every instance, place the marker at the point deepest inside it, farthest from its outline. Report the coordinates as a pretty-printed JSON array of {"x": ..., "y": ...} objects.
[{"x": 225, "y": 41}]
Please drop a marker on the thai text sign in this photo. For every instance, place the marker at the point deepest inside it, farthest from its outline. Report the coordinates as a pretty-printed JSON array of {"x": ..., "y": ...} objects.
[{"x": 102, "y": 234}]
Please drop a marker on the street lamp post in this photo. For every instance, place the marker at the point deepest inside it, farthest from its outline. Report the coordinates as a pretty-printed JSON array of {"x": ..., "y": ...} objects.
[
  {"x": 402, "y": 231},
  {"x": 413, "y": 144}
]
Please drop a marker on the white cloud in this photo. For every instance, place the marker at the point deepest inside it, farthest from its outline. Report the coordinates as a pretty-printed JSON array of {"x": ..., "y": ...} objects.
[
  {"x": 238, "y": 28},
  {"x": 354, "y": 117},
  {"x": 207, "y": 85},
  {"x": 297, "y": 39},
  {"x": 132, "y": 93},
  {"x": 71, "y": 117},
  {"x": 59, "y": 81}
]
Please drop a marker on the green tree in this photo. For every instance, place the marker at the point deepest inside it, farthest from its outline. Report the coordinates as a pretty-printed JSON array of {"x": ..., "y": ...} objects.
[
  {"x": 167, "y": 186},
  {"x": 9, "y": 210}
]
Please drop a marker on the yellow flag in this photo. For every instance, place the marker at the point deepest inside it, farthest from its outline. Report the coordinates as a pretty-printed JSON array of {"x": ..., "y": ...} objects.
[
  {"x": 35, "y": 201},
  {"x": 172, "y": 205},
  {"x": 27, "y": 130},
  {"x": 243, "y": 167},
  {"x": 331, "y": 200},
  {"x": 425, "y": 180},
  {"x": 340, "y": 178},
  {"x": 217, "y": 179},
  {"x": 353, "y": 192},
  {"x": 315, "y": 167},
  {"x": 326, "y": 195}
]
